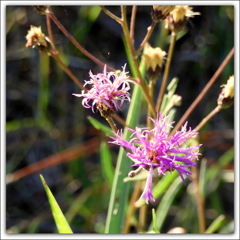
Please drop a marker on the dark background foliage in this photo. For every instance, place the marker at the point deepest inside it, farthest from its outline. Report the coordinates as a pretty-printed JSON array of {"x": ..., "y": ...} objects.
[{"x": 43, "y": 118}]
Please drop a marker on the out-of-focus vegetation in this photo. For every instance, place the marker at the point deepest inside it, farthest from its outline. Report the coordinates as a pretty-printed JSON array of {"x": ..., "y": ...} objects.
[{"x": 48, "y": 131}]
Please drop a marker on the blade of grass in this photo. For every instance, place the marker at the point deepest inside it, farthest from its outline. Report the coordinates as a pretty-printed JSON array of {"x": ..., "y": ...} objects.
[
  {"x": 60, "y": 220},
  {"x": 120, "y": 189},
  {"x": 100, "y": 126},
  {"x": 166, "y": 202},
  {"x": 106, "y": 163},
  {"x": 216, "y": 224}
]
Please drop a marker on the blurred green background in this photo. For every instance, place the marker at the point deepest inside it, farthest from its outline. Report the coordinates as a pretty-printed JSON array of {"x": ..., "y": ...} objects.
[{"x": 43, "y": 119}]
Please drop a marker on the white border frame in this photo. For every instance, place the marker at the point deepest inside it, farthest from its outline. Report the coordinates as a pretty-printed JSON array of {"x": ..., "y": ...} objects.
[{"x": 118, "y": 236}]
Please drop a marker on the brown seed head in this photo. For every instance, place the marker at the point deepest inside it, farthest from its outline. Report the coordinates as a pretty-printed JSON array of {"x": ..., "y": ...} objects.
[{"x": 160, "y": 12}]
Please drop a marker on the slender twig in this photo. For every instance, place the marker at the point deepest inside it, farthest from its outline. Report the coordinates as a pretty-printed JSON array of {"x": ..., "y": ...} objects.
[
  {"x": 200, "y": 201},
  {"x": 120, "y": 120},
  {"x": 112, "y": 124},
  {"x": 132, "y": 52},
  {"x": 209, "y": 116},
  {"x": 111, "y": 15},
  {"x": 203, "y": 93},
  {"x": 49, "y": 27},
  {"x": 73, "y": 40},
  {"x": 148, "y": 35},
  {"x": 132, "y": 24},
  {"x": 69, "y": 73},
  {"x": 166, "y": 71},
  {"x": 131, "y": 207}
]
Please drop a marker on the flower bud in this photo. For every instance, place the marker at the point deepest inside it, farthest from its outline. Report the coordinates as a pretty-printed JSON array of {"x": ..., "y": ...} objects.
[
  {"x": 226, "y": 97},
  {"x": 178, "y": 18},
  {"x": 160, "y": 12},
  {"x": 36, "y": 38},
  {"x": 153, "y": 59}
]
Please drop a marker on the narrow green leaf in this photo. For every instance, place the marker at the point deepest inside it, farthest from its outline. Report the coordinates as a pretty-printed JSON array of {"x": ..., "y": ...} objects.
[
  {"x": 155, "y": 229},
  {"x": 106, "y": 163},
  {"x": 60, "y": 220},
  {"x": 161, "y": 186},
  {"x": 216, "y": 224},
  {"x": 100, "y": 126},
  {"x": 202, "y": 177},
  {"x": 166, "y": 202},
  {"x": 120, "y": 190}
]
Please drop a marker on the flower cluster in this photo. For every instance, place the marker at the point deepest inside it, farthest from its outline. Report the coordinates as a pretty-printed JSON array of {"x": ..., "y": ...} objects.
[
  {"x": 109, "y": 91},
  {"x": 155, "y": 149}
]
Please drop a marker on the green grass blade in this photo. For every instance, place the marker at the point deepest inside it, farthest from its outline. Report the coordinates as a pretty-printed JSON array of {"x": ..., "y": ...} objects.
[
  {"x": 100, "y": 126},
  {"x": 155, "y": 229},
  {"x": 106, "y": 163},
  {"x": 60, "y": 220},
  {"x": 161, "y": 186},
  {"x": 166, "y": 202},
  {"x": 216, "y": 224}
]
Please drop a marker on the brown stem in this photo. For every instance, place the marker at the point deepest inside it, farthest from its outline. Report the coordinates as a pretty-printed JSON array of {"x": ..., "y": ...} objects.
[
  {"x": 209, "y": 116},
  {"x": 69, "y": 73},
  {"x": 131, "y": 207},
  {"x": 203, "y": 93},
  {"x": 166, "y": 71},
  {"x": 142, "y": 218},
  {"x": 200, "y": 201},
  {"x": 120, "y": 120},
  {"x": 132, "y": 52},
  {"x": 148, "y": 35},
  {"x": 49, "y": 27},
  {"x": 132, "y": 24},
  {"x": 111, "y": 15},
  {"x": 73, "y": 40},
  {"x": 112, "y": 124}
]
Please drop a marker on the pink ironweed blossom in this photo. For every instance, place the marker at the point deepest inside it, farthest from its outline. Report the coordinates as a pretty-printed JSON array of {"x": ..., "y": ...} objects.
[
  {"x": 155, "y": 149},
  {"x": 109, "y": 90}
]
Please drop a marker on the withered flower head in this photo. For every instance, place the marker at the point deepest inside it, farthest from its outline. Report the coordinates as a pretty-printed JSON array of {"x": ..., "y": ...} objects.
[
  {"x": 36, "y": 38},
  {"x": 226, "y": 97},
  {"x": 160, "y": 12},
  {"x": 40, "y": 9},
  {"x": 153, "y": 59},
  {"x": 178, "y": 18}
]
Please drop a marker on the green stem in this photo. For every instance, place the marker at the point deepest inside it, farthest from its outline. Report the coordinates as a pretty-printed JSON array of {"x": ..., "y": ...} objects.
[
  {"x": 166, "y": 71},
  {"x": 112, "y": 124},
  {"x": 136, "y": 65}
]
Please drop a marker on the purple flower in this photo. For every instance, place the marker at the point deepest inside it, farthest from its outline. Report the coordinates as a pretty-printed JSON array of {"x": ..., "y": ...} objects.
[
  {"x": 155, "y": 149},
  {"x": 109, "y": 91}
]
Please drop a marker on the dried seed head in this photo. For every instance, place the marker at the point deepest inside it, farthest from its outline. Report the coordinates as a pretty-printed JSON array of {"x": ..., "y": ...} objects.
[
  {"x": 226, "y": 97},
  {"x": 160, "y": 12},
  {"x": 178, "y": 18},
  {"x": 153, "y": 59},
  {"x": 36, "y": 38},
  {"x": 40, "y": 9}
]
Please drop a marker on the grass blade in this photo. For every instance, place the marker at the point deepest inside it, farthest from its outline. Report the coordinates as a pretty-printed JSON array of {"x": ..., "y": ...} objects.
[{"x": 60, "y": 220}]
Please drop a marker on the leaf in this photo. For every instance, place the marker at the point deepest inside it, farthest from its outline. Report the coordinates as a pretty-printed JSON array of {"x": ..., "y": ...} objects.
[
  {"x": 166, "y": 202},
  {"x": 100, "y": 126},
  {"x": 106, "y": 163},
  {"x": 120, "y": 190},
  {"x": 155, "y": 229},
  {"x": 60, "y": 220},
  {"x": 216, "y": 224}
]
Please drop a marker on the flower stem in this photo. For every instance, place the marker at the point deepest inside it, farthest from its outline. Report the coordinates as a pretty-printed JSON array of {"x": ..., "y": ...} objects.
[
  {"x": 166, "y": 71},
  {"x": 131, "y": 207},
  {"x": 132, "y": 52},
  {"x": 112, "y": 124},
  {"x": 207, "y": 118},
  {"x": 48, "y": 19},
  {"x": 200, "y": 201},
  {"x": 203, "y": 93},
  {"x": 132, "y": 24},
  {"x": 111, "y": 15},
  {"x": 69, "y": 73},
  {"x": 148, "y": 35},
  {"x": 73, "y": 40}
]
